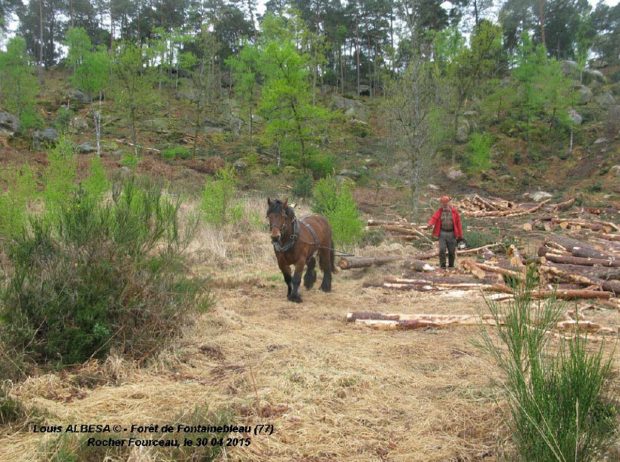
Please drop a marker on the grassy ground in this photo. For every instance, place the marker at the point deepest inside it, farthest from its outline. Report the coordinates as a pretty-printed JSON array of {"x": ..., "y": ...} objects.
[{"x": 333, "y": 391}]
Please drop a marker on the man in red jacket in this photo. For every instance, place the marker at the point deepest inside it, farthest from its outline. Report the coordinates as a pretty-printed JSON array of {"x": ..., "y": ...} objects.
[{"x": 446, "y": 223}]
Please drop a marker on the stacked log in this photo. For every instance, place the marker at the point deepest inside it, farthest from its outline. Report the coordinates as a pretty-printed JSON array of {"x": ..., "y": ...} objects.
[
  {"x": 401, "y": 229},
  {"x": 476, "y": 206}
]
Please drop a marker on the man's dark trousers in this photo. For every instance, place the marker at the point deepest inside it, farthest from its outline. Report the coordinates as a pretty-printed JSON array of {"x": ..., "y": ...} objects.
[{"x": 447, "y": 240}]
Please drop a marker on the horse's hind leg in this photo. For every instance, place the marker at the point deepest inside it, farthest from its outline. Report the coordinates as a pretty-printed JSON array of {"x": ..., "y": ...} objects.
[
  {"x": 325, "y": 262},
  {"x": 310, "y": 276}
]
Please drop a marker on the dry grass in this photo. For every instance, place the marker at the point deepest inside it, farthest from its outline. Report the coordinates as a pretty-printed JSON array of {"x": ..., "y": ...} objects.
[{"x": 334, "y": 392}]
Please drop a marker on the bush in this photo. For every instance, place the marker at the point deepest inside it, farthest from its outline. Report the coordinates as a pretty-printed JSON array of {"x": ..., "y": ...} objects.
[
  {"x": 63, "y": 119},
  {"x": 556, "y": 400},
  {"x": 479, "y": 152},
  {"x": 11, "y": 410},
  {"x": 218, "y": 199},
  {"x": 303, "y": 186},
  {"x": 176, "y": 152},
  {"x": 130, "y": 161},
  {"x": 336, "y": 202},
  {"x": 14, "y": 201},
  {"x": 98, "y": 275},
  {"x": 321, "y": 165}
]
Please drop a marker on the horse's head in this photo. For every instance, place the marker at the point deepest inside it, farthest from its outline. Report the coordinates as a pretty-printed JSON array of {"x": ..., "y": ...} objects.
[{"x": 280, "y": 216}]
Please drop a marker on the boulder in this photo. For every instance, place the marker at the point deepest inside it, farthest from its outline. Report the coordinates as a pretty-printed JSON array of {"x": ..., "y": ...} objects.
[
  {"x": 47, "y": 135},
  {"x": 9, "y": 124},
  {"x": 432, "y": 187},
  {"x": 575, "y": 117},
  {"x": 540, "y": 196},
  {"x": 234, "y": 124},
  {"x": 240, "y": 165},
  {"x": 591, "y": 75},
  {"x": 364, "y": 90},
  {"x": 601, "y": 140},
  {"x": 349, "y": 173},
  {"x": 211, "y": 130},
  {"x": 158, "y": 125},
  {"x": 570, "y": 69},
  {"x": 605, "y": 99},
  {"x": 352, "y": 108},
  {"x": 454, "y": 174},
  {"x": 584, "y": 94},
  {"x": 462, "y": 131},
  {"x": 78, "y": 124},
  {"x": 86, "y": 148},
  {"x": 615, "y": 170},
  {"x": 78, "y": 97}
]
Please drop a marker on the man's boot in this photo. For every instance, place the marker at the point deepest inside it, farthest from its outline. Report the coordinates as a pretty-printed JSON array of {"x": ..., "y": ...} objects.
[{"x": 451, "y": 260}]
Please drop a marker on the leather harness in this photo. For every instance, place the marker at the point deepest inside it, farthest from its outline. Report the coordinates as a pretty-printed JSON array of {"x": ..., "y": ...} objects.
[{"x": 278, "y": 247}]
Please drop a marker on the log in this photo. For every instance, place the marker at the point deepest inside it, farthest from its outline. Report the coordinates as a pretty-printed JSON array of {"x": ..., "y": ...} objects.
[
  {"x": 611, "y": 262},
  {"x": 496, "y": 269},
  {"x": 559, "y": 294},
  {"x": 396, "y": 325},
  {"x": 562, "y": 205},
  {"x": 608, "y": 285},
  {"x": 578, "y": 248},
  {"x": 581, "y": 325},
  {"x": 415, "y": 321},
  {"x": 435, "y": 252},
  {"x": 365, "y": 262}
]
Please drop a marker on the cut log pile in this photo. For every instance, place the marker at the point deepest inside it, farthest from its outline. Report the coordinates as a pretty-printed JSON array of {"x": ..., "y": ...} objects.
[
  {"x": 401, "y": 229},
  {"x": 476, "y": 206}
]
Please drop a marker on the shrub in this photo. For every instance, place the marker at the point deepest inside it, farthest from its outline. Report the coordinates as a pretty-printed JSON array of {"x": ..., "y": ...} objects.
[
  {"x": 130, "y": 161},
  {"x": 556, "y": 400},
  {"x": 303, "y": 186},
  {"x": 479, "y": 152},
  {"x": 11, "y": 410},
  {"x": 176, "y": 152},
  {"x": 337, "y": 204},
  {"x": 321, "y": 165},
  {"x": 60, "y": 174},
  {"x": 218, "y": 199},
  {"x": 63, "y": 119},
  {"x": 98, "y": 275},
  {"x": 14, "y": 201}
]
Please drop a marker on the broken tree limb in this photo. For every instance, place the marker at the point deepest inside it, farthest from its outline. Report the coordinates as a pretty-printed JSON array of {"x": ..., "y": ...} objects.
[
  {"x": 562, "y": 205},
  {"x": 365, "y": 262}
]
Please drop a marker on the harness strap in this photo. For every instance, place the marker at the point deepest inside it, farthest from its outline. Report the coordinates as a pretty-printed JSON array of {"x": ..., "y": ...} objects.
[
  {"x": 314, "y": 238},
  {"x": 291, "y": 241}
]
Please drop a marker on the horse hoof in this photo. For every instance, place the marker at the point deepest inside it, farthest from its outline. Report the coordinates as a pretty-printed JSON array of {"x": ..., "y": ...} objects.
[
  {"x": 326, "y": 289},
  {"x": 295, "y": 299}
]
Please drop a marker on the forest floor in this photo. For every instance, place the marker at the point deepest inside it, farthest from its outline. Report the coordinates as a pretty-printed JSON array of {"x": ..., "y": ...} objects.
[{"x": 333, "y": 391}]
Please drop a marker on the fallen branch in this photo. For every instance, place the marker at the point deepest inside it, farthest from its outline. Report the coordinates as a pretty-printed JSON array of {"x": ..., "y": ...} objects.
[
  {"x": 365, "y": 262},
  {"x": 559, "y": 294}
]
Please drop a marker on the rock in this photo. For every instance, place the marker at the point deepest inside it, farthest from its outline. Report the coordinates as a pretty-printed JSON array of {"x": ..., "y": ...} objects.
[
  {"x": 470, "y": 114},
  {"x": 575, "y": 117},
  {"x": 78, "y": 124},
  {"x": 615, "y": 170},
  {"x": 211, "y": 130},
  {"x": 591, "y": 75},
  {"x": 364, "y": 90},
  {"x": 584, "y": 94},
  {"x": 454, "y": 174},
  {"x": 434, "y": 187},
  {"x": 78, "y": 97},
  {"x": 605, "y": 99},
  {"x": 462, "y": 131},
  {"x": 601, "y": 140},
  {"x": 352, "y": 108},
  {"x": 257, "y": 119},
  {"x": 240, "y": 165},
  {"x": 47, "y": 135},
  {"x": 506, "y": 177},
  {"x": 570, "y": 69},
  {"x": 234, "y": 124},
  {"x": 349, "y": 173},
  {"x": 540, "y": 196},
  {"x": 9, "y": 124},
  {"x": 86, "y": 148}
]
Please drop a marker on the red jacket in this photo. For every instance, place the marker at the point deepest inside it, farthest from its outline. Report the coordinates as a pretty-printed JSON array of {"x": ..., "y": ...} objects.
[{"x": 456, "y": 219}]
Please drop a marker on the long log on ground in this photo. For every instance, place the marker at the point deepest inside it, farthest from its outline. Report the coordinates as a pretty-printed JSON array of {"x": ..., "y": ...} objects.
[
  {"x": 495, "y": 269},
  {"x": 562, "y": 205},
  {"x": 412, "y": 322},
  {"x": 435, "y": 252},
  {"x": 578, "y": 248},
  {"x": 559, "y": 294},
  {"x": 594, "y": 225},
  {"x": 396, "y": 325},
  {"x": 365, "y": 262},
  {"x": 608, "y": 285},
  {"x": 585, "y": 261},
  {"x": 608, "y": 236},
  {"x": 438, "y": 318},
  {"x": 594, "y": 272}
]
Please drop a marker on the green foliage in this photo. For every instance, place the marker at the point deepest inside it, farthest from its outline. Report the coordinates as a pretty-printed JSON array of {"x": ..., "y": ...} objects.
[
  {"x": 130, "y": 161},
  {"x": 60, "y": 175},
  {"x": 556, "y": 399},
  {"x": 335, "y": 201},
  {"x": 479, "y": 152},
  {"x": 20, "y": 193},
  {"x": 303, "y": 186},
  {"x": 18, "y": 85},
  {"x": 176, "y": 152},
  {"x": 96, "y": 184},
  {"x": 63, "y": 119},
  {"x": 218, "y": 199},
  {"x": 97, "y": 275},
  {"x": 11, "y": 410},
  {"x": 321, "y": 164}
]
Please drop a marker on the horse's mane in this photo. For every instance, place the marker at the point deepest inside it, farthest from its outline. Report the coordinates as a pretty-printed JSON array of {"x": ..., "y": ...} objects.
[{"x": 276, "y": 207}]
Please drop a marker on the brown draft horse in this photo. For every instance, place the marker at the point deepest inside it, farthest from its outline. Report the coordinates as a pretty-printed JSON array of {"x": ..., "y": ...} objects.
[{"x": 295, "y": 241}]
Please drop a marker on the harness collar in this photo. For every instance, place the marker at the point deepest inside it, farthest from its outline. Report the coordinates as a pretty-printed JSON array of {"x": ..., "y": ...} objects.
[{"x": 292, "y": 239}]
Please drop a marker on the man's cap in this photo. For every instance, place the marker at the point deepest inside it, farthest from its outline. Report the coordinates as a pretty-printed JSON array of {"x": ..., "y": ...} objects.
[{"x": 444, "y": 199}]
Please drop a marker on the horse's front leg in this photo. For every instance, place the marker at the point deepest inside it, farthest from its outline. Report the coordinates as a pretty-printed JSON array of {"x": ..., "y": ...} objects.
[
  {"x": 299, "y": 269},
  {"x": 286, "y": 271}
]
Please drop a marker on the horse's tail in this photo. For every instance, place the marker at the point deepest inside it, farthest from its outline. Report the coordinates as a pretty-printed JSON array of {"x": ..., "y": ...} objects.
[{"x": 332, "y": 256}]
